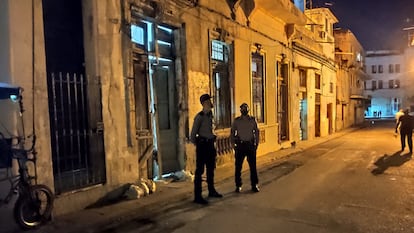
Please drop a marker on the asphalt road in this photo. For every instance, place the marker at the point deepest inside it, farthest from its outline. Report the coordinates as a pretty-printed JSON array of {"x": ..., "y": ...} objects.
[{"x": 359, "y": 182}]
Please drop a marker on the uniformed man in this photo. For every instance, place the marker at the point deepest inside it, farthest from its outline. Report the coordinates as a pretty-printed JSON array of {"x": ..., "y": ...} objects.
[
  {"x": 202, "y": 136},
  {"x": 245, "y": 138},
  {"x": 406, "y": 125}
]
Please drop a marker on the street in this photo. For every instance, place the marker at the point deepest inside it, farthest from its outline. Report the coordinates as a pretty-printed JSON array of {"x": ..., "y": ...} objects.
[{"x": 355, "y": 183}]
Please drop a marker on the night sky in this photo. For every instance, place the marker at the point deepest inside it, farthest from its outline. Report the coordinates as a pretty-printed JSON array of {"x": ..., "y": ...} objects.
[{"x": 377, "y": 24}]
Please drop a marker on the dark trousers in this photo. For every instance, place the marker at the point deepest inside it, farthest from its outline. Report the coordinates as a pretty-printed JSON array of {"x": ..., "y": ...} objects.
[
  {"x": 245, "y": 150},
  {"x": 409, "y": 135},
  {"x": 205, "y": 156}
]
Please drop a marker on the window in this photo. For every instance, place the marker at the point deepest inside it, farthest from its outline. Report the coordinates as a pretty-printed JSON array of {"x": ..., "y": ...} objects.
[
  {"x": 331, "y": 87},
  {"x": 220, "y": 55},
  {"x": 397, "y": 84},
  {"x": 391, "y": 84},
  {"x": 374, "y": 85},
  {"x": 302, "y": 78},
  {"x": 373, "y": 69},
  {"x": 397, "y": 68},
  {"x": 359, "y": 57},
  {"x": 258, "y": 86},
  {"x": 365, "y": 85},
  {"x": 217, "y": 50},
  {"x": 137, "y": 34},
  {"x": 380, "y": 69},
  {"x": 390, "y": 68},
  {"x": 317, "y": 81},
  {"x": 379, "y": 84}
]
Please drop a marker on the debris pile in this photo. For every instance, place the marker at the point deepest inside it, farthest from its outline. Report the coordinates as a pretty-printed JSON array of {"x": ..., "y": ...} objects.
[{"x": 142, "y": 188}]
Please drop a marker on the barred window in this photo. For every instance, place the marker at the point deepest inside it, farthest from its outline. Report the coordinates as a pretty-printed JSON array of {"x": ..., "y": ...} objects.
[
  {"x": 217, "y": 50},
  {"x": 221, "y": 75},
  {"x": 258, "y": 85}
]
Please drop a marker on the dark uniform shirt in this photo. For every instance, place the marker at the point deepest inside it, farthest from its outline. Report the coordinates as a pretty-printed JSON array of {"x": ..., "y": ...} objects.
[
  {"x": 406, "y": 123},
  {"x": 245, "y": 129},
  {"x": 202, "y": 127}
]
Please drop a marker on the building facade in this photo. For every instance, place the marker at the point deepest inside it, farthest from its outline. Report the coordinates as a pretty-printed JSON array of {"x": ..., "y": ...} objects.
[
  {"x": 388, "y": 83},
  {"x": 351, "y": 102},
  {"x": 122, "y": 81}
]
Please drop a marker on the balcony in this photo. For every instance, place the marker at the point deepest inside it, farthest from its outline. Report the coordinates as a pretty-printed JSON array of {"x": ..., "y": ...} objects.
[{"x": 284, "y": 10}]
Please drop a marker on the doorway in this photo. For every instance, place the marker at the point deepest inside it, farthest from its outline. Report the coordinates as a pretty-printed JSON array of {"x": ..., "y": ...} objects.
[
  {"x": 330, "y": 118},
  {"x": 303, "y": 110},
  {"x": 156, "y": 90},
  {"x": 283, "y": 104}
]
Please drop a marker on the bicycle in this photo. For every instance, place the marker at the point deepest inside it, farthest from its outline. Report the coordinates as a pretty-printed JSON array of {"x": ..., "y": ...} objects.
[{"x": 34, "y": 203}]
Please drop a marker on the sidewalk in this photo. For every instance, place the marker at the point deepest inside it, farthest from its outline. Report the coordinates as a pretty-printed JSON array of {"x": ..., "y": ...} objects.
[{"x": 166, "y": 195}]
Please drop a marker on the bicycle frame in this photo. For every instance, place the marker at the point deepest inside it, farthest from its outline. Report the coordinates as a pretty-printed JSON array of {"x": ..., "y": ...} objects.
[{"x": 27, "y": 209}]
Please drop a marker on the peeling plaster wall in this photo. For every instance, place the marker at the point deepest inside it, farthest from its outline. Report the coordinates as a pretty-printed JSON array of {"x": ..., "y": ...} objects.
[
  {"x": 28, "y": 63},
  {"x": 104, "y": 59},
  {"x": 198, "y": 22}
]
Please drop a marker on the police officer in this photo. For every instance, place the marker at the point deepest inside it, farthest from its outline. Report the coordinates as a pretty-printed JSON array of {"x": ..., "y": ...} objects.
[
  {"x": 202, "y": 136},
  {"x": 245, "y": 138},
  {"x": 406, "y": 125}
]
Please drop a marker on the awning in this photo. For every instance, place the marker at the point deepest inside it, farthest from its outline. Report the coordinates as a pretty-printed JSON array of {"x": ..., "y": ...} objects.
[{"x": 7, "y": 90}]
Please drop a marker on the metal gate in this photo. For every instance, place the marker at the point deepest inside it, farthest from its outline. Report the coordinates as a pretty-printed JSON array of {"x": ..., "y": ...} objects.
[{"x": 76, "y": 131}]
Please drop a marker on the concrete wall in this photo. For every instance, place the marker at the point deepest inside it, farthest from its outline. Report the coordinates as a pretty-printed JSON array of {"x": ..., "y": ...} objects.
[
  {"x": 23, "y": 61},
  {"x": 104, "y": 59},
  {"x": 350, "y": 58}
]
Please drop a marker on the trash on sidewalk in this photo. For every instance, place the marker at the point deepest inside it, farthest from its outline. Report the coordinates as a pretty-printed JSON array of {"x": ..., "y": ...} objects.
[
  {"x": 142, "y": 188},
  {"x": 179, "y": 176}
]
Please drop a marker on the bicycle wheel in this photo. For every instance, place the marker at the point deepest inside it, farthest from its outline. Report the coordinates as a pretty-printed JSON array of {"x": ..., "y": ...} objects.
[{"x": 32, "y": 211}]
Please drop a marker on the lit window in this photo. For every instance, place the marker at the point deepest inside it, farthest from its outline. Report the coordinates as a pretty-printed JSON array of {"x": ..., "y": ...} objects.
[
  {"x": 359, "y": 58},
  {"x": 137, "y": 34},
  {"x": 217, "y": 50}
]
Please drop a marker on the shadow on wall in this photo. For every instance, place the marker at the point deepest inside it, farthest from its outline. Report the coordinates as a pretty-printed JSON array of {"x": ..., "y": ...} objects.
[{"x": 386, "y": 161}]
